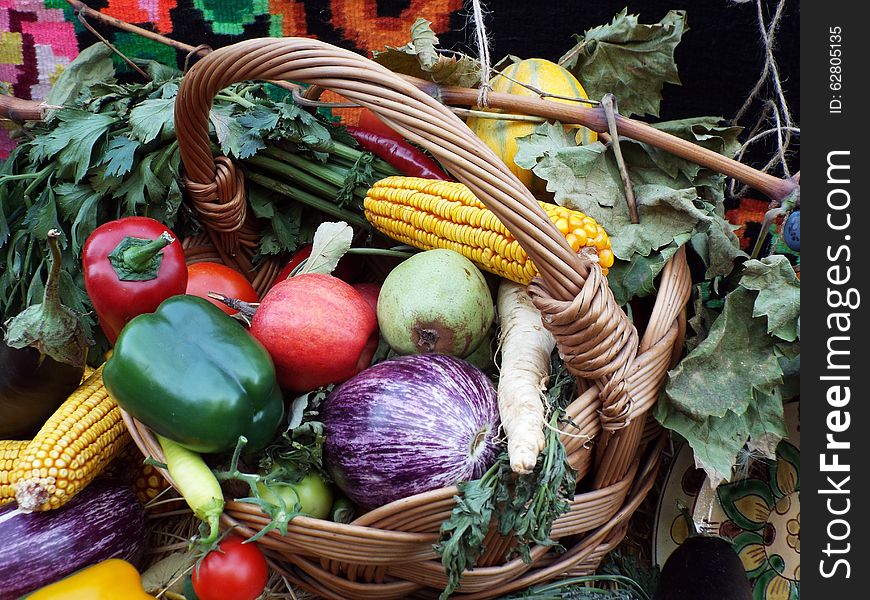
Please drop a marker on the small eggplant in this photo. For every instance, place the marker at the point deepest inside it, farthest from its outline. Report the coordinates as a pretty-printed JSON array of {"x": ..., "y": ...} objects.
[
  {"x": 703, "y": 567},
  {"x": 42, "y": 358}
]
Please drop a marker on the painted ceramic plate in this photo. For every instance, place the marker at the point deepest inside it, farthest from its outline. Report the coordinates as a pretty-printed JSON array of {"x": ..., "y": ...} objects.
[{"x": 759, "y": 513}]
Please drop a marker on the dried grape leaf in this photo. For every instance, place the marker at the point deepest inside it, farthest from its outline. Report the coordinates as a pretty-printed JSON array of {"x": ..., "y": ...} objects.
[
  {"x": 583, "y": 176},
  {"x": 636, "y": 277},
  {"x": 421, "y": 58},
  {"x": 704, "y": 131},
  {"x": 779, "y": 294},
  {"x": 718, "y": 247},
  {"x": 717, "y": 441},
  {"x": 545, "y": 139},
  {"x": 628, "y": 59},
  {"x": 735, "y": 359}
]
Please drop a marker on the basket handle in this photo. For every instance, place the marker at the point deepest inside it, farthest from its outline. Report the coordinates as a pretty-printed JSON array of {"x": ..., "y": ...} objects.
[
  {"x": 594, "y": 334},
  {"x": 216, "y": 185}
]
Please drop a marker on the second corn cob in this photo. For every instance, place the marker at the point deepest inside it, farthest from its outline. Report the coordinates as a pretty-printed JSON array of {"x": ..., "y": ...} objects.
[
  {"x": 10, "y": 450},
  {"x": 82, "y": 436},
  {"x": 430, "y": 214}
]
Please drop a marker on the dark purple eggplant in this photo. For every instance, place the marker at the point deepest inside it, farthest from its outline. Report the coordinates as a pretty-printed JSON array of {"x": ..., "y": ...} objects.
[
  {"x": 105, "y": 520},
  {"x": 42, "y": 358},
  {"x": 703, "y": 567}
]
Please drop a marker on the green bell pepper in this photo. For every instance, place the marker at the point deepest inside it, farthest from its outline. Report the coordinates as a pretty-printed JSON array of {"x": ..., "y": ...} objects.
[{"x": 194, "y": 375}]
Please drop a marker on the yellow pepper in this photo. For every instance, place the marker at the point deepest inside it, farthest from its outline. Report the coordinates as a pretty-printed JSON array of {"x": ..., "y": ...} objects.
[{"x": 112, "y": 579}]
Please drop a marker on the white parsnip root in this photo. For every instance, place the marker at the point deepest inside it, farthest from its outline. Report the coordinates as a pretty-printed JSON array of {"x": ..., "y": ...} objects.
[{"x": 526, "y": 346}]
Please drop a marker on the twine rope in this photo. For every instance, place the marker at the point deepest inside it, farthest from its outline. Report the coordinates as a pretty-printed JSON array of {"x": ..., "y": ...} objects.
[
  {"x": 482, "y": 38},
  {"x": 777, "y": 108}
]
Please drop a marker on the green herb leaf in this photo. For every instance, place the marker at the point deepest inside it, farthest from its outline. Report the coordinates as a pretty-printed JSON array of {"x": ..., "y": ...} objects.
[
  {"x": 141, "y": 187},
  {"x": 227, "y": 129},
  {"x": 153, "y": 117},
  {"x": 72, "y": 141},
  {"x": 462, "y": 535},
  {"x": 119, "y": 155},
  {"x": 90, "y": 66},
  {"x": 360, "y": 176},
  {"x": 420, "y": 58},
  {"x": 255, "y": 124},
  {"x": 78, "y": 203},
  {"x": 629, "y": 59},
  {"x": 779, "y": 294},
  {"x": 42, "y": 216}
]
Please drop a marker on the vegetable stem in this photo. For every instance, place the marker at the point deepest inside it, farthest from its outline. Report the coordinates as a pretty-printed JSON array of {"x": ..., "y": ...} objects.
[
  {"x": 321, "y": 170},
  {"x": 304, "y": 178},
  {"x": 381, "y": 252},
  {"x": 51, "y": 298},
  {"x": 139, "y": 258},
  {"x": 307, "y": 198},
  {"x": 231, "y": 96}
]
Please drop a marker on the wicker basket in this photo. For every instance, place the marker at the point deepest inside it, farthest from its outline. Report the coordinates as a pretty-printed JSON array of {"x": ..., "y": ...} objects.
[{"x": 388, "y": 553}]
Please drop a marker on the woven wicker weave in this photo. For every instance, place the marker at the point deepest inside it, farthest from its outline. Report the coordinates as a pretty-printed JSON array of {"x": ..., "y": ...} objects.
[{"x": 388, "y": 552}]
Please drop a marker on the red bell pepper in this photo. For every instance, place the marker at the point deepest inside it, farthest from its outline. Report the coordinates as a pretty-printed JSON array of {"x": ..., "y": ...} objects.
[
  {"x": 405, "y": 158},
  {"x": 131, "y": 265}
]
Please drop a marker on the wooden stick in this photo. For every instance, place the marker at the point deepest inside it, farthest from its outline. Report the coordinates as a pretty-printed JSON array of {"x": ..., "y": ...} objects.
[
  {"x": 596, "y": 119},
  {"x": 20, "y": 110},
  {"x": 608, "y": 102},
  {"x": 124, "y": 26}
]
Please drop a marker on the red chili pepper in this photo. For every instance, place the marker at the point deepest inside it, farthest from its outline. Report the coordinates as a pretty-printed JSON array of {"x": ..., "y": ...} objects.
[
  {"x": 131, "y": 265},
  {"x": 401, "y": 155}
]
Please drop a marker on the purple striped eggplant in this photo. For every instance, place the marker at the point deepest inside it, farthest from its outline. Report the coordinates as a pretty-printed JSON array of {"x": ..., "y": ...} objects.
[
  {"x": 410, "y": 425},
  {"x": 105, "y": 520}
]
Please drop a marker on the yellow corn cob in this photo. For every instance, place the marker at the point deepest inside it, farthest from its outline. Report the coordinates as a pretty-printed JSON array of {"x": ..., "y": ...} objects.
[
  {"x": 148, "y": 484},
  {"x": 82, "y": 436},
  {"x": 427, "y": 213},
  {"x": 10, "y": 450}
]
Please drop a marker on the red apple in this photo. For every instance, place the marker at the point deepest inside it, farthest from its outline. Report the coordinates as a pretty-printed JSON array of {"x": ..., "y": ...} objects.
[
  {"x": 370, "y": 292},
  {"x": 317, "y": 328}
]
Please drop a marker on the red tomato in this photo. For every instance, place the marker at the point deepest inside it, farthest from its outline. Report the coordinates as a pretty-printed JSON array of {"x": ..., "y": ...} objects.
[
  {"x": 370, "y": 122},
  {"x": 206, "y": 277},
  {"x": 236, "y": 570},
  {"x": 346, "y": 270}
]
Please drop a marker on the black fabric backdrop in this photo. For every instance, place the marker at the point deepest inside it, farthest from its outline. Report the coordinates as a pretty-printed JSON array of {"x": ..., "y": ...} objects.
[{"x": 720, "y": 57}]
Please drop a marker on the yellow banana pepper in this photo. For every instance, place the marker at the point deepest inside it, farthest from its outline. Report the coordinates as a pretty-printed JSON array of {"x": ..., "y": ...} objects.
[{"x": 112, "y": 579}]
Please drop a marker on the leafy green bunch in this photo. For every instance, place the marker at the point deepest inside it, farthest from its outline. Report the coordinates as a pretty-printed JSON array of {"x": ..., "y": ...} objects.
[{"x": 108, "y": 150}]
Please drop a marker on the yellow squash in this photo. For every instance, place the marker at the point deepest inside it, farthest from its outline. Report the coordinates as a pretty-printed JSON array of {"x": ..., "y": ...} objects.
[{"x": 501, "y": 135}]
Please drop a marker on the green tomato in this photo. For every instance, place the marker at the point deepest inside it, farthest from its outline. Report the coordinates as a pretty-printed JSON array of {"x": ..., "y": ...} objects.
[{"x": 312, "y": 494}]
